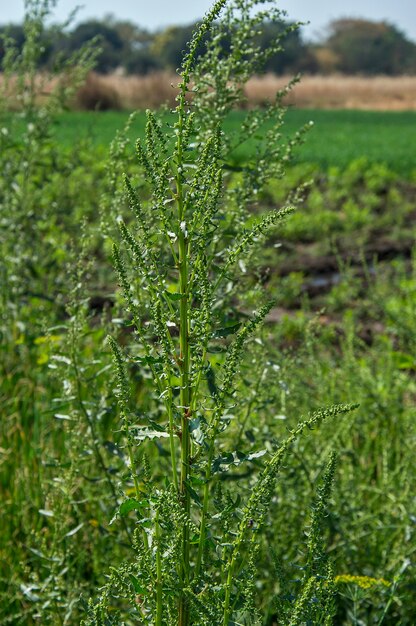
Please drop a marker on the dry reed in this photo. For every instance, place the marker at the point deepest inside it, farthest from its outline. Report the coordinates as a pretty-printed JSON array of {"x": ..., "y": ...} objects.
[
  {"x": 395, "y": 93},
  {"x": 115, "y": 91}
]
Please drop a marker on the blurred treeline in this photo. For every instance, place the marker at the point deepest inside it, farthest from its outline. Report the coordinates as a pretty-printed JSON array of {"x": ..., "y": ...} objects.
[{"x": 350, "y": 46}]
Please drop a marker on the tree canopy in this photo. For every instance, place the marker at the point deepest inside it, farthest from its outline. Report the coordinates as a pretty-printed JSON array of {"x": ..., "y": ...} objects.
[
  {"x": 367, "y": 47},
  {"x": 350, "y": 46}
]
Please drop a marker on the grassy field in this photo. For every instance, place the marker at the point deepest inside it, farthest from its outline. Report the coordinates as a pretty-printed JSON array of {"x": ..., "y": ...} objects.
[
  {"x": 343, "y": 330},
  {"x": 207, "y": 360},
  {"x": 337, "y": 138}
]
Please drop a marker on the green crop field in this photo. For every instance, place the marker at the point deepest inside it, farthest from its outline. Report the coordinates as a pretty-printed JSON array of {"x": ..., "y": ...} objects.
[{"x": 337, "y": 137}]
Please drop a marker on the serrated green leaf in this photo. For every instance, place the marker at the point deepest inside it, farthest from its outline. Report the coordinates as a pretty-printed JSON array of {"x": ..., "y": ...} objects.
[
  {"x": 148, "y": 360},
  {"x": 195, "y": 428},
  {"x": 194, "y": 496},
  {"x": 256, "y": 455},
  {"x": 231, "y": 329},
  {"x": 175, "y": 296},
  {"x": 148, "y": 433},
  {"x": 233, "y": 459},
  {"x": 131, "y": 504},
  {"x": 138, "y": 588}
]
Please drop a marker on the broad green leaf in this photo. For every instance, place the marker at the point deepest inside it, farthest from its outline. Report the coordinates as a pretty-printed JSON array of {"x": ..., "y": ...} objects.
[
  {"x": 138, "y": 588},
  {"x": 194, "y": 496},
  {"x": 195, "y": 428},
  {"x": 148, "y": 433},
  {"x": 148, "y": 360},
  {"x": 404, "y": 361},
  {"x": 131, "y": 505},
  {"x": 174, "y": 296},
  {"x": 227, "y": 330},
  {"x": 223, "y": 462}
]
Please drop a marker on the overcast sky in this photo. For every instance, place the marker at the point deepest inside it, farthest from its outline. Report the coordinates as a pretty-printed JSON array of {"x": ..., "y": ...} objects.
[{"x": 153, "y": 14}]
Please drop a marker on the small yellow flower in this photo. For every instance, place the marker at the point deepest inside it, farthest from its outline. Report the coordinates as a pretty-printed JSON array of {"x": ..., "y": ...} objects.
[{"x": 364, "y": 582}]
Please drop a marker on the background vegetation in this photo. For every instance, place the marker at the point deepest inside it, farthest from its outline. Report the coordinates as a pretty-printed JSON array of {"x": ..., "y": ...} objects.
[
  {"x": 349, "y": 46},
  {"x": 342, "y": 269}
]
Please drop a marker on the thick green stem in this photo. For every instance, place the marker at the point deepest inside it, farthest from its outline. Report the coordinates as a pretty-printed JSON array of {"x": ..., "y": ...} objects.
[
  {"x": 172, "y": 445},
  {"x": 184, "y": 361},
  {"x": 203, "y": 523},
  {"x": 159, "y": 582},
  {"x": 208, "y": 476},
  {"x": 227, "y": 612},
  {"x": 184, "y": 366}
]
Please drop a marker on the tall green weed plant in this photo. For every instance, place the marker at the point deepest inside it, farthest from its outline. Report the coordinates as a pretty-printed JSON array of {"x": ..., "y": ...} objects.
[
  {"x": 39, "y": 186},
  {"x": 181, "y": 264},
  {"x": 66, "y": 457},
  {"x": 31, "y": 161}
]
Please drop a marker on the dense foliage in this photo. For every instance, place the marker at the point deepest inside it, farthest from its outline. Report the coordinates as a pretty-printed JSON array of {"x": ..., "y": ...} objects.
[
  {"x": 90, "y": 503},
  {"x": 364, "y": 47}
]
